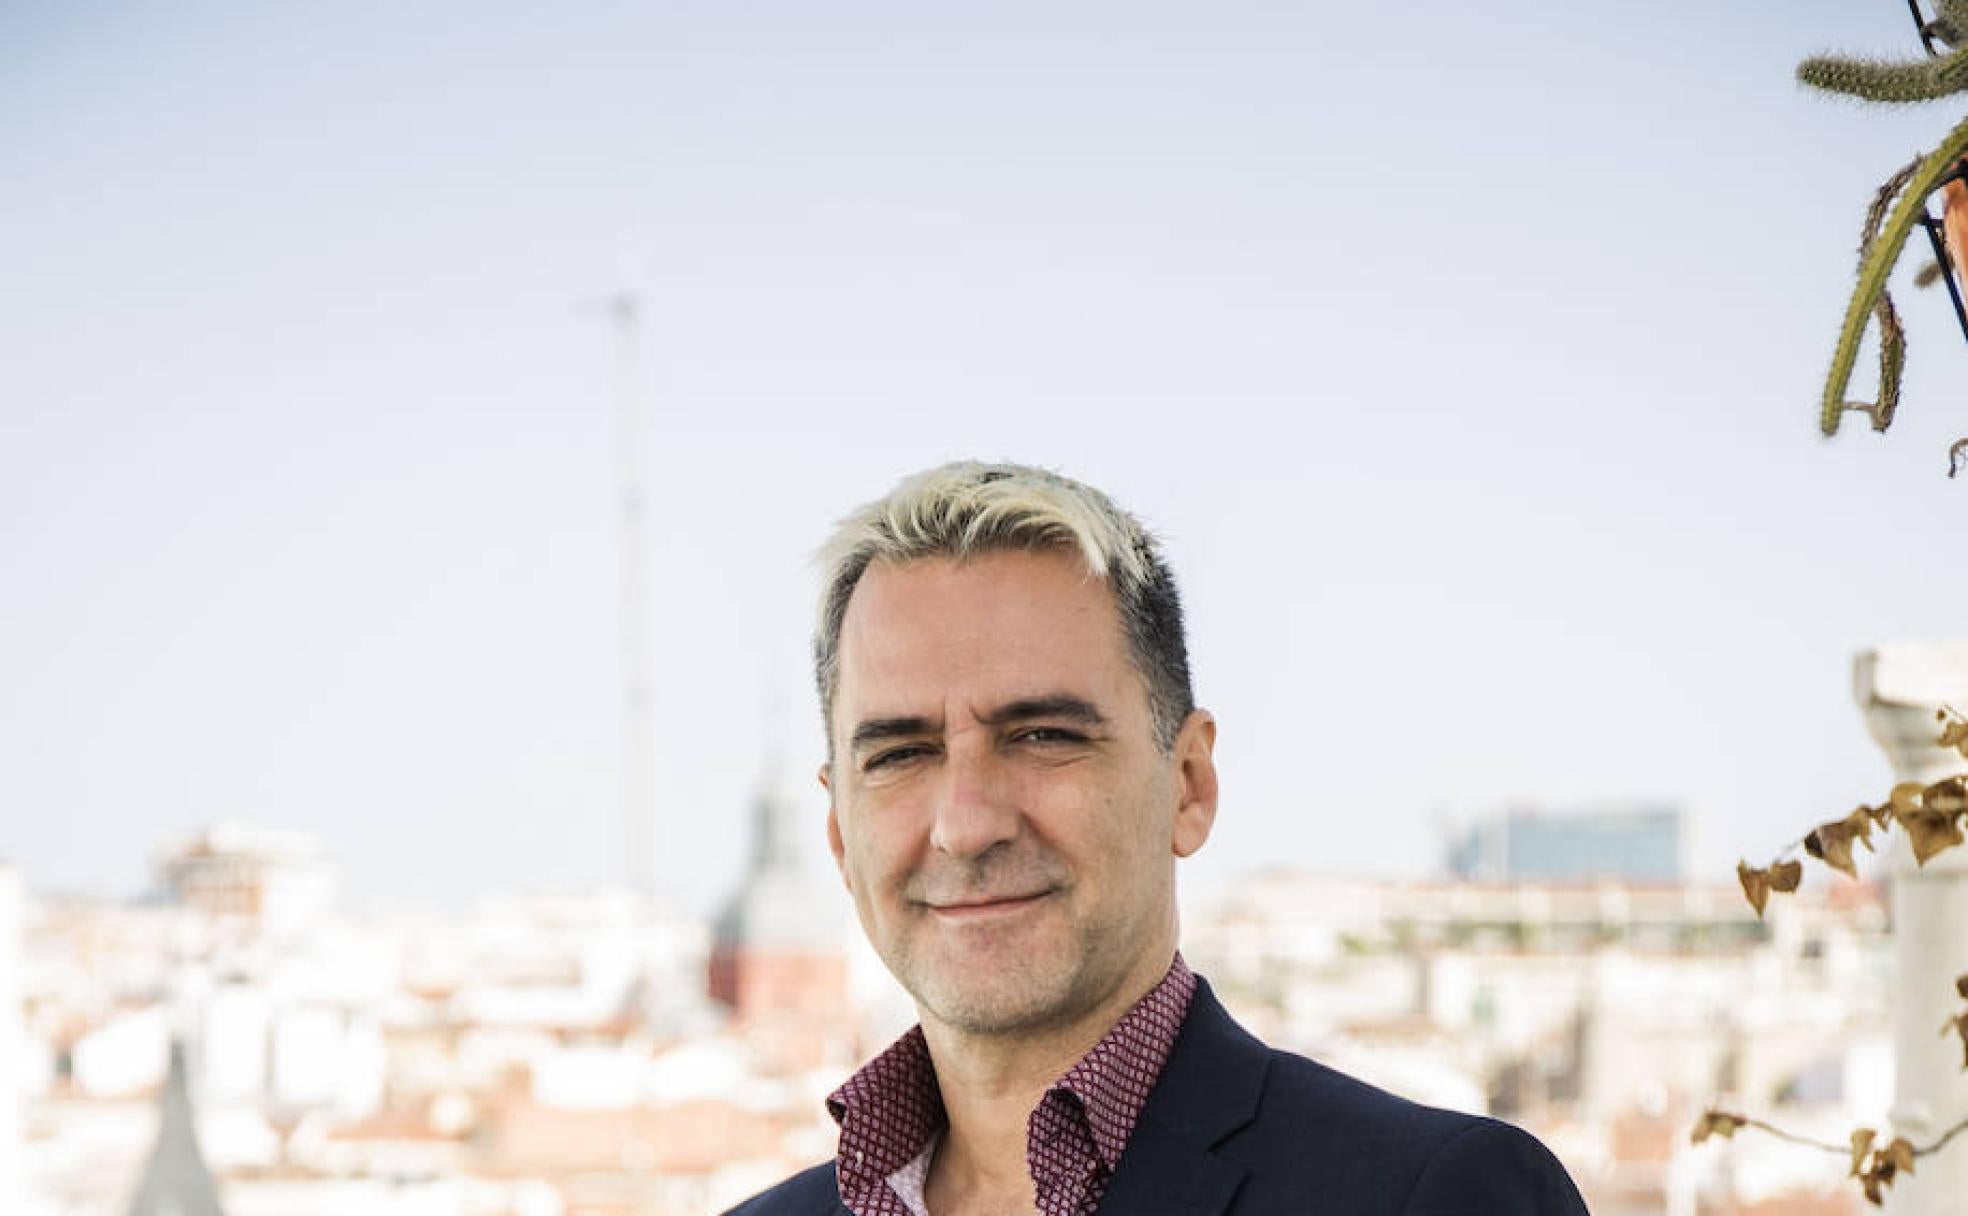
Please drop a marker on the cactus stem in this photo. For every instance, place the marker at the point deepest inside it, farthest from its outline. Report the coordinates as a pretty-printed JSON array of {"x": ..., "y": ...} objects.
[
  {"x": 1877, "y": 264},
  {"x": 1889, "y": 82}
]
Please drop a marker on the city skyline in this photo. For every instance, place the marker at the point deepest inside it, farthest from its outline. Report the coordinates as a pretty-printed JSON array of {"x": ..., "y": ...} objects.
[{"x": 590, "y": 1052}]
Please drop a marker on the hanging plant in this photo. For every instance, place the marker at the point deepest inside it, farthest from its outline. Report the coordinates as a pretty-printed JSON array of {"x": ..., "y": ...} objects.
[{"x": 1899, "y": 207}]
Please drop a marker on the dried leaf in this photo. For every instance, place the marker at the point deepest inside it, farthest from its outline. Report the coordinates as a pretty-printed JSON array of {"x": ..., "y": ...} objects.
[
  {"x": 1886, "y": 1163},
  {"x": 1834, "y": 850},
  {"x": 1861, "y": 1144},
  {"x": 1756, "y": 888},
  {"x": 1959, "y": 1025},
  {"x": 1879, "y": 1174},
  {"x": 1905, "y": 798},
  {"x": 1785, "y": 875},
  {"x": 1930, "y": 832},
  {"x": 1715, "y": 1123},
  {"x": 1899, "y": 1154},
  {"x": 1961, "y": 986},
  {"x": 1831, "y": 842},
  {"x": 1949, "y": 796},
  {"x": 1955, "y": 735}
]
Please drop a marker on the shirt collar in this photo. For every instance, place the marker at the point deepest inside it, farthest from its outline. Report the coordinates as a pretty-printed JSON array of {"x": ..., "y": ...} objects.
[
  {"x": 891, "y": 1108},
  {"x": 1112, "y": 1080},
  {"x": 888, "y": 1112}
]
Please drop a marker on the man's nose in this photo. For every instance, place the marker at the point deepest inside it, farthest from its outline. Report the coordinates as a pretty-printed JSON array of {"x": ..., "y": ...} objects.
[{"x": 974, "y": 807}]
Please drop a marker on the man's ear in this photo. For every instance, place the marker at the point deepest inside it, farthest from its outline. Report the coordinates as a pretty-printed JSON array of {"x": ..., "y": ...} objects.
[
  {"x": 834, "y": 844},
  {"x": 1195, "y": 782}
]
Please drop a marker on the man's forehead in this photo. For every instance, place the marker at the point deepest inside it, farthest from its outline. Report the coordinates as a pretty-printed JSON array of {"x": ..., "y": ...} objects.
[
  {"x": 959, "y": 694},
  {"x": 986, "y": 631}
]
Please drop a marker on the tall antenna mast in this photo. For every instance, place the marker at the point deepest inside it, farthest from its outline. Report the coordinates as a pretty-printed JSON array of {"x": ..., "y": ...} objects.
[{"x": 638, "y": 816}]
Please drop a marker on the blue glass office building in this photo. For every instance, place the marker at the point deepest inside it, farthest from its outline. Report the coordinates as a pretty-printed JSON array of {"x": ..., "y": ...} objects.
[{"x": 1636, "y": 844}]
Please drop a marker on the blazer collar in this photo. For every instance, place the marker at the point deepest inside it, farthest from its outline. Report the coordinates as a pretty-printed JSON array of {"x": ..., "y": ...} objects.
[{"x": 1208, "y": 1090}]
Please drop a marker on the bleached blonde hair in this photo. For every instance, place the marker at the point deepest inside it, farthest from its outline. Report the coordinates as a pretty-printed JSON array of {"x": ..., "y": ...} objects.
[{"x": 965, "y": 509}]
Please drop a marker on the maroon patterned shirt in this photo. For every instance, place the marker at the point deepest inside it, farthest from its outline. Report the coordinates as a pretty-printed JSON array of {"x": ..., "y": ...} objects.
[{"x": 891, "y": 1113}]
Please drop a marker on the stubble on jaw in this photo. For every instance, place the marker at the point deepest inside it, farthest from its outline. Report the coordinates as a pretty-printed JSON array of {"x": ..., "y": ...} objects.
[{"x": 1026, "y": 994}]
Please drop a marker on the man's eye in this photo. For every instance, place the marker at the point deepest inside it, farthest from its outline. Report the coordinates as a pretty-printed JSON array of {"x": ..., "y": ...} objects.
[
  {"x": 893, "y": 756},
  {"x": 1049, "y": 735}
]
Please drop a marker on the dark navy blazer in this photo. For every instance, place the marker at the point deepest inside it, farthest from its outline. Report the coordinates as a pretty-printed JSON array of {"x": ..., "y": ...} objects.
[{"x": 1233, "y": 1128}]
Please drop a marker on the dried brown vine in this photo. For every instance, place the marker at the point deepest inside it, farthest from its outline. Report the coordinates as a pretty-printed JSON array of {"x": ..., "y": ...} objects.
[{"x": 1932, "y": 816}]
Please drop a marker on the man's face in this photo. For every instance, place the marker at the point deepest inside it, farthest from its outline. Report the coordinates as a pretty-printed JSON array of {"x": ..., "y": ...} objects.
[{"x": 1001, "y": 812}]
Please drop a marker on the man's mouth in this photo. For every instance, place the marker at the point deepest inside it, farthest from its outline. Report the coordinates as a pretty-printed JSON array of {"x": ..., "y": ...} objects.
[{"x": 987, "y": 906}]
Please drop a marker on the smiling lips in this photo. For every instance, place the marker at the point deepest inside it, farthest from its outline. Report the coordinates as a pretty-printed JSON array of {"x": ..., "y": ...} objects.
[{"x": 988, "y": 906}]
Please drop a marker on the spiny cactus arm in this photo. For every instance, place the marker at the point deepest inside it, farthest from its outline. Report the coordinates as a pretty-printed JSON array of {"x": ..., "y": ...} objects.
[
  {"x": 1880, "y": 80},
  {"x": 1878, "y": 264}
]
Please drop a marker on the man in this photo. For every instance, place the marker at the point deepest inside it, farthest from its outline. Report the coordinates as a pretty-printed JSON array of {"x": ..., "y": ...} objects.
[{"x": 1015, "y": 762}]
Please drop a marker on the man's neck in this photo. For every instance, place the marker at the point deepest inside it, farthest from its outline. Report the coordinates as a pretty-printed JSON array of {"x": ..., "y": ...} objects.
[{"x": 991, "y": 1084}]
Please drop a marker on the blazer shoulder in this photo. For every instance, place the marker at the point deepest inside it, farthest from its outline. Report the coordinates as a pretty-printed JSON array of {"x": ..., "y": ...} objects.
[
  {"x": 1386, "y": 1153},
  {"x": 811, "y": 1192},
  {"x": 1494, "y": 1167}
]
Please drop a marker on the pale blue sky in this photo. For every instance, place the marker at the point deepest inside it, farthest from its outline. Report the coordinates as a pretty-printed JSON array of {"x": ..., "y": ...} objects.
[{"x": 1467, "y": 356}]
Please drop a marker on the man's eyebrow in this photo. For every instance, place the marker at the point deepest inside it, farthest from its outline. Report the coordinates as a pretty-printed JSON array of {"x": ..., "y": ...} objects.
[
  {"x": 874, "y": 730},
  {"x": 1052, "y": 705}
]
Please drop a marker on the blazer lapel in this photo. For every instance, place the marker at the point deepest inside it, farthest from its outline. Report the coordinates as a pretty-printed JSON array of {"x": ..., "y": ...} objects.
[{"x": 1208, "y": 1089}]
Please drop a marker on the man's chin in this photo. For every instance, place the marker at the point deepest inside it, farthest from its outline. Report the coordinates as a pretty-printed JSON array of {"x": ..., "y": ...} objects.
[
  {"x": 995, "y": 1012},
  {"x": 998, "y": 995}
]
